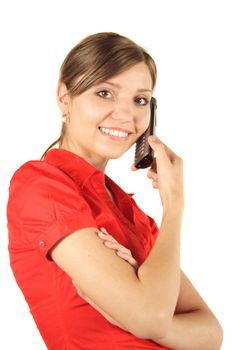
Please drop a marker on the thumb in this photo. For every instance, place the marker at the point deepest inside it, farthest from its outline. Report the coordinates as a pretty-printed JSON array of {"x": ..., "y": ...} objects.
[
  {"x": 161, "y": 149},
  {"x": 157, "y": 146},
  {"x": 152, "y": 139}
]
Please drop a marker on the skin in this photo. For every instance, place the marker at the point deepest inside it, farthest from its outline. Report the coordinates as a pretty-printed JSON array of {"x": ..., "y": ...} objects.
[
  {"x": 117, "y": 105},
  {"x": 186, "y": 321}
]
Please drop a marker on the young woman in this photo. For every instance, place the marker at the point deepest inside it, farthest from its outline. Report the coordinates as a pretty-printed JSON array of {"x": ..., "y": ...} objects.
[{"x": 94, "y": 269}]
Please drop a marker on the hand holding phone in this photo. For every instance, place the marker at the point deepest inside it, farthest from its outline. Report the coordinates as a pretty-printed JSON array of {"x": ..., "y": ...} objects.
[{"x": 144, "y": 154}]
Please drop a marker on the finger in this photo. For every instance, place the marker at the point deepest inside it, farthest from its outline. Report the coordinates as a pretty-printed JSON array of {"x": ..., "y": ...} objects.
[
  {"x": 154, "y": 177},
  {"x": 133, "y": 167},
  {"x": 123, "y": 249},
  {"x": 154, "y": 165},
  {"x": 103, "y": 233},
  {"x": 103, "y": 229},
  {"x": 151, "y": 174},
  {"x": 107, "y": 237},
  {"x": 112, "y": 245},
  {"x": 155, "y": 184},
  {"x": 158, "y": 146},
  {"x": 118, "y": 247},
  {"x": 128, "y": 258}
]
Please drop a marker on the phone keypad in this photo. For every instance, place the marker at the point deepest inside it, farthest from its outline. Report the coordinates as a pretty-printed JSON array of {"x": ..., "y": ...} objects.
[{"x": 141, "y": 148}]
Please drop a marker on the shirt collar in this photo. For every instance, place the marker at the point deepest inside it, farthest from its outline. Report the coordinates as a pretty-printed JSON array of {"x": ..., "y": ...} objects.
[{"x": 73, "y": 165}]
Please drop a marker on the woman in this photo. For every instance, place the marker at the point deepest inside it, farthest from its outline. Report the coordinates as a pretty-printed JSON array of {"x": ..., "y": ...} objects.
[{"x": 64, "y": 214}]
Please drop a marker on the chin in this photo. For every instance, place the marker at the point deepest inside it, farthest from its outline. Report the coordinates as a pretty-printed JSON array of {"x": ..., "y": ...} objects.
[{"x": 114, "y": 154}]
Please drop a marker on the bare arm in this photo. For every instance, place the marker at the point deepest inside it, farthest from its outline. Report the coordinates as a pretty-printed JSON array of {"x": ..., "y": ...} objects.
[
  {"x": 150, "y": 295},
  {"x": 194, "y": 326}
]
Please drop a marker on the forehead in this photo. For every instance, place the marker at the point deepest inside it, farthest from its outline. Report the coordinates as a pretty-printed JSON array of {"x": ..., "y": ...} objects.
[{"x": 137, "y": 76}]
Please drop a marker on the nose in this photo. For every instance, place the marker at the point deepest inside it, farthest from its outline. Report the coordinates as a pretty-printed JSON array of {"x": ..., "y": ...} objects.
[{"x": 123, "y": 111}]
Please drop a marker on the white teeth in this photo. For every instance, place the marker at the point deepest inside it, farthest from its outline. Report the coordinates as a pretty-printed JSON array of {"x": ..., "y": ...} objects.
[{"x": 114, "y": 132}]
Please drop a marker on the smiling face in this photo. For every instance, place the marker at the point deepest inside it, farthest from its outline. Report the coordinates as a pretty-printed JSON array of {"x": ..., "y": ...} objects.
[{"x": 106, "y": 120}]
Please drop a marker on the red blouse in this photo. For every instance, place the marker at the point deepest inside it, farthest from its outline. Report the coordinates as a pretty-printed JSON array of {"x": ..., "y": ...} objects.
[{"x": 48, "y": 200}]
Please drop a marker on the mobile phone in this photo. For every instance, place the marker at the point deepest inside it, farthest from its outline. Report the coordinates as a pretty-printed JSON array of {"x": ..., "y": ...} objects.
[{"x": 144, "y": 154}]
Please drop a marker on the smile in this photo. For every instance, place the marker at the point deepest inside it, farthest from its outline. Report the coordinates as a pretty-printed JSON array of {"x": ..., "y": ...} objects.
[{"x": 114, "y": 132}]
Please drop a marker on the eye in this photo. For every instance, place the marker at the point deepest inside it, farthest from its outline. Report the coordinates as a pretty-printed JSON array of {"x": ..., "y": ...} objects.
[
  {"x": 142, "y": 101},
  {"x": 104, "y": 93}
]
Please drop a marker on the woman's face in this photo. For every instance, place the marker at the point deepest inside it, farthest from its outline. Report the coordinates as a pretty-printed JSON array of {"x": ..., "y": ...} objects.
[{"x": 107, "y": 119}]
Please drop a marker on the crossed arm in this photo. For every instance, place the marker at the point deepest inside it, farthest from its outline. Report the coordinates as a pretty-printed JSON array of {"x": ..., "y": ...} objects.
[
  {"x": 193, "y": 325},
  {"x": 161, "y": 303}
]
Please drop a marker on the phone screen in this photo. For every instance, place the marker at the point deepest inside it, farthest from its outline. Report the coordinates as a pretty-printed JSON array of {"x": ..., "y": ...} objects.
[{"x": 144, "y": 154}]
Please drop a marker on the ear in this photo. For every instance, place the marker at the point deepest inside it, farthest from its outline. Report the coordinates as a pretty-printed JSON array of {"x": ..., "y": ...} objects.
[{"x": 63, "y": 98}]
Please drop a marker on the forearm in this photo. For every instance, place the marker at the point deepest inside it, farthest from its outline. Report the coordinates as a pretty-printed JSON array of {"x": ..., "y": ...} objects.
[
  {"x": 160, "y": 273},
  {"x": 196, "y": 330}
]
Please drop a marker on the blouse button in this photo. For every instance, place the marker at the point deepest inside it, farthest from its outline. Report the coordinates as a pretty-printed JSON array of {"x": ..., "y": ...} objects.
[{"x": 42, "y": 244}]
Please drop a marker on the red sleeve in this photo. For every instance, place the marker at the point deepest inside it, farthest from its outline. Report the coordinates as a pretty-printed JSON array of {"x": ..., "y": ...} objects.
[
  {"x": 44, "y": 206},
  {"x": 148, "y": 227}
]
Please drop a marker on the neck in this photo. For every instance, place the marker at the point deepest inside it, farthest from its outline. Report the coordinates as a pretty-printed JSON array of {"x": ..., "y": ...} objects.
[{"x": 96, "y": 161}]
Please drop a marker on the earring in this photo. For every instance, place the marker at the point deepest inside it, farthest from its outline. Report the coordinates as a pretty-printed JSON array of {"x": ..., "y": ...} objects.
[{"x": 65, "y": 118}]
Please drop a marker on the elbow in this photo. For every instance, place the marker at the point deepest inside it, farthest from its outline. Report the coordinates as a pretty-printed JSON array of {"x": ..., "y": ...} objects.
[
  {"x": 220, "y": 338},
  {"x": 215, "y": 332},
  {"x": 218, "y": 334},
  {"x": 151, "y": 325}
]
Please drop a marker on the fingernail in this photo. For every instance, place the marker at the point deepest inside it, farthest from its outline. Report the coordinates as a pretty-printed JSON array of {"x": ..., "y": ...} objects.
[
  {"x": 103, "y": 229},
  {"x": 133, "y": 168}
]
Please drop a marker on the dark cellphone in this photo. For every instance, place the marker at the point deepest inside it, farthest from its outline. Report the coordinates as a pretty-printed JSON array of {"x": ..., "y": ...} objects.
[{"x": 144, "y": 154}]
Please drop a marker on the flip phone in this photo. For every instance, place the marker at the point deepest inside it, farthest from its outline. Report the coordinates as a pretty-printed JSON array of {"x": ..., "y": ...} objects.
[{"x": 144, "y": 154}]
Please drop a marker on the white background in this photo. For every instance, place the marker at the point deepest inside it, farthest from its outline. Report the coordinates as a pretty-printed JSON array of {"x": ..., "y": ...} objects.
[{"x": 191, "y": 42}]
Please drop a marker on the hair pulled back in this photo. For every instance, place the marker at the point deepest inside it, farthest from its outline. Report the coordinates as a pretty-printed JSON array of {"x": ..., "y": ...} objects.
[{"x": 97, "y": 58}]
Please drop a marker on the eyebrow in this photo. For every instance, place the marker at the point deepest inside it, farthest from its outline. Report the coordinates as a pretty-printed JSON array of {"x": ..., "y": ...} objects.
[{"x": 118, "y": 86}]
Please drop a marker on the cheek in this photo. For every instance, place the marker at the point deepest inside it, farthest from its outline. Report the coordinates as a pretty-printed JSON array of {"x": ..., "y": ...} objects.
[
  {"x": 143, "y": 119},
  {"x": 143, "y": 125},
  {"x": 97, "y": 111}
]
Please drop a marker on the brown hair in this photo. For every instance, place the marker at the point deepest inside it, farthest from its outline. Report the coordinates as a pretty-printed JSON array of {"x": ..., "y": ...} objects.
[{"x": 97, "y": 58}]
